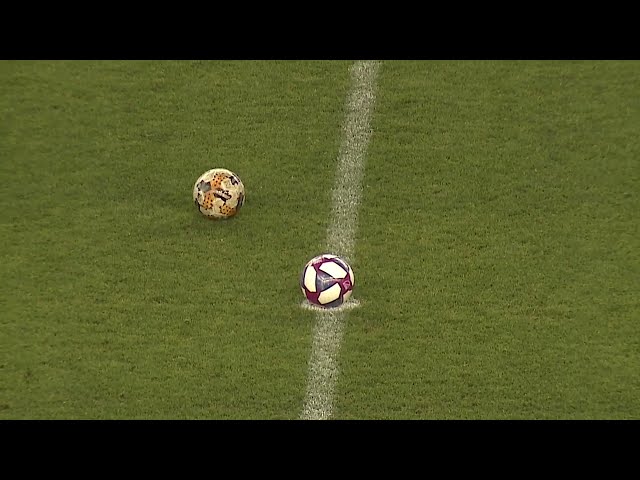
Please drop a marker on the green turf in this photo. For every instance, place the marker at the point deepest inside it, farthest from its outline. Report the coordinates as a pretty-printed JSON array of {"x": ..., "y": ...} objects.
[
  {"x": 119, "y": 300},
  {"x": 496, "y": 260},
  {"x": 498, "y": 254}
]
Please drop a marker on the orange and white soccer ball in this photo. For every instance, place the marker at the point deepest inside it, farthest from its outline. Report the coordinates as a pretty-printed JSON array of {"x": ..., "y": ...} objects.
[{"x": 218, "y": 193}]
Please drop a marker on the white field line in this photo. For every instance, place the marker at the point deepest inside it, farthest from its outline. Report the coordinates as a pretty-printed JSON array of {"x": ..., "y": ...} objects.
[
  {"x": 352, "y": 303},
  {"x": 327, "y": 334}
]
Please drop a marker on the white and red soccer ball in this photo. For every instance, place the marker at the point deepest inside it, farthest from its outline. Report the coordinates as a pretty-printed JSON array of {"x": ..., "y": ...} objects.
[{"x": 327, "y": 281}]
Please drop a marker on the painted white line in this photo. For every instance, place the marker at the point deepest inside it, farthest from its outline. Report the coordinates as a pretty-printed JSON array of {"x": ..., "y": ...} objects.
[
  {"x": 327, "y": 334},
  {"x": 352, "y": 303}
]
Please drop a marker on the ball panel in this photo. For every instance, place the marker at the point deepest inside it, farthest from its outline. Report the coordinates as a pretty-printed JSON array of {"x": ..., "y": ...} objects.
[
  {"x": 309, "y": 279},
  {"x": 323, "y": 280},
  {"x": 334, "y": 304},
  {"x": 312, "y": 297},
  {"x": 334, "y": 269},
  {"x": 339, "y": 261},
  {"x": 346, "y": 295},
  {"x": 329, "y": 295}
]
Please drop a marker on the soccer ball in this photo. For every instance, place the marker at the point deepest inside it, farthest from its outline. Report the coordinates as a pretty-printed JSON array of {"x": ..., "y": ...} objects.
[
  {"x": 327, "y": 281},
  {"x": 218, "y": 193}
]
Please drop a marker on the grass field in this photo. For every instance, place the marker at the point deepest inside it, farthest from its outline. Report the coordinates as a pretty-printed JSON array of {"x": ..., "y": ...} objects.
[{"x": 496, "y": 261}]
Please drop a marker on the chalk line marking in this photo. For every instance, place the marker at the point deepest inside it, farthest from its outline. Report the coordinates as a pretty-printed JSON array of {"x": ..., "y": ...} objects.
[
  {"x": 341, "y": 233},
  {"x": 351, "y": 304}
]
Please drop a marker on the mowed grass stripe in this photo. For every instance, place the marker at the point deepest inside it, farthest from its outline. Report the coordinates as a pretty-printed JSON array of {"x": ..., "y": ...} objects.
[{"x": 341, "y": 233}]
